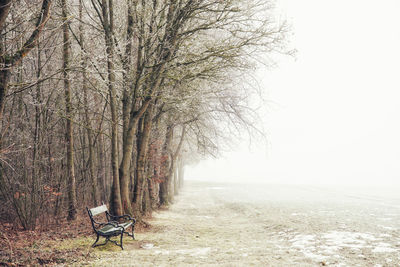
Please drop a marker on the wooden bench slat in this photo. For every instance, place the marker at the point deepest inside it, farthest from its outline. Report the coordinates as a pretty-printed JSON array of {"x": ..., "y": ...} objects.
[
  {"x": 98, "y": 210},
  {"x": 125, "y": 225},
  {"x": 108, "y": 229}
]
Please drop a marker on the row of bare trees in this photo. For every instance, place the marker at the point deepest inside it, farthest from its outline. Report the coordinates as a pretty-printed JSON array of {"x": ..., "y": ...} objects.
[{"x": 106, "y": 101}]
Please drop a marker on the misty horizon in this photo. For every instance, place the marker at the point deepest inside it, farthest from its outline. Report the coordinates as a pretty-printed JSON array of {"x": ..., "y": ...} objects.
[{"x": 332, "y": 112}]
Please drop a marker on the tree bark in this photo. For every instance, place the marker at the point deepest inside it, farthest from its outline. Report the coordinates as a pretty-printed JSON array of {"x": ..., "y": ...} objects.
[
  {"x": 150, "y": 87},
  {"x": 181, "y": 172},
  {"x": 4, "y": 9},
  {"x": 127, "y": 80},
  {"x": 89, "y": 131},
  {"x": 171, "y": 174},
  {"x": 108, "y": 26},
  {"x": 127, "y": 157},
  {"x": 142, "y": 146},
  {"x": 175, "y": 160},
  {"x": 68, "y": 114},
  {"x": 164, "y": 185},
  {"x": 176, "y": 180}
]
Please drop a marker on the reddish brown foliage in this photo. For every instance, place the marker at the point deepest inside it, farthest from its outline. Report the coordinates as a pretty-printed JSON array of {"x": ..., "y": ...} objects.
[{"x": 21, "y": 248}]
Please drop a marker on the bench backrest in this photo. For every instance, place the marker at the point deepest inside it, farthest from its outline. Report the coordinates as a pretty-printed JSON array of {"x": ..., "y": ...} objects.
[{"x": 98, "y": 210}]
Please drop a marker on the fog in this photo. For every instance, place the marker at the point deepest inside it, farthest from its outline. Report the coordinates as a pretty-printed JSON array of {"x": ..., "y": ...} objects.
[{"x": 332, "y": 113}]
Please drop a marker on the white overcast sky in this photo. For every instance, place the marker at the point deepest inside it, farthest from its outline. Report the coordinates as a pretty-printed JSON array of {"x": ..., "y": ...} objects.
[{"x": 336, "y": 117}]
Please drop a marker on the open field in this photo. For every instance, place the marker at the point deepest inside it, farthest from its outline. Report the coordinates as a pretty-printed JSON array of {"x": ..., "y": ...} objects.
[{"x": 214, "y": 224}]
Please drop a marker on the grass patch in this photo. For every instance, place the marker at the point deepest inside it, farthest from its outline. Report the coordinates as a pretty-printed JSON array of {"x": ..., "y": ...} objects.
[{"x": 66, "y": 242}]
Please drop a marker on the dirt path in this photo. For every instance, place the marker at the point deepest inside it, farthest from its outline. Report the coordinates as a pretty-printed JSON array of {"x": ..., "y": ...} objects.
[{"x": 237, "y": 225}]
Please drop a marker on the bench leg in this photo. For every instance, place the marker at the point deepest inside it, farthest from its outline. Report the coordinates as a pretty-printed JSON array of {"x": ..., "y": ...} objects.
[
  {"x": 102, "y": 244},
  {"x": 108, "y": 239},
  {"x": 122, "y": 234},
  {"x": 131, "y": 234},
  {"x": 97, "y": 239}
]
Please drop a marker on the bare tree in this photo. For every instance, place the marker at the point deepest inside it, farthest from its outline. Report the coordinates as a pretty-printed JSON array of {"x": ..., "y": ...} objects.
[
  {"x": 68, "y": 114},
  {"x": 8, "y": 61},
  {"x": 159, "y": 81}
]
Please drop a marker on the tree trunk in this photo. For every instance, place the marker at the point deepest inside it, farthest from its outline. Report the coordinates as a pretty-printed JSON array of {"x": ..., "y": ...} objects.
[
  {"x": 102, "y": 170},
  {"x": 37, "y": 136},
  {"x": 68, "y": 115},
  {"x": 89, "y": 131},
  {"x": 4, "y": 79},
  {"x": 127, "y": 149},
  {"x": 181, "y": 172},
  {"x": 142, "y": 146},
  {"x": 176, "y": 181},
  {"x": 4, "y": 9},
  {"x": 172, "y": 173},
  {"x": 164, "y": 185},
  {"x": 170, "y": 179},
  {"x": 127, "y": 80},
  {"x": 151, "y": 193},
  {"x": 108, "y": 25},
  {"x": 146, "y": 207}
]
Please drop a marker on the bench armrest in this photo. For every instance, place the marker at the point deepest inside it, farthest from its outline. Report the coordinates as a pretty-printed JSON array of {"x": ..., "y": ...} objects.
[
  {"x": 125, "y": 217},
  {"x": 97, "y": 223},
  {"x": 112, "y": 223}
]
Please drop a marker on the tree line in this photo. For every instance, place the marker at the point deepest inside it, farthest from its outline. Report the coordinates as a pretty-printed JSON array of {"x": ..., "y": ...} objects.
[{"x": 107, "y": 101}]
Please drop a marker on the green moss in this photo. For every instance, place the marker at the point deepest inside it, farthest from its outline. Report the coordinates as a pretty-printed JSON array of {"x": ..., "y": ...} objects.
[
  {"x": 83, "y": 243},
  {"x": 73, "y": 243}
]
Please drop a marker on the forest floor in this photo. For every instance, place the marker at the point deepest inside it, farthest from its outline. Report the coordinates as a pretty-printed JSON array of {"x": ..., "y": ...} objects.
[
  {"x": 268, "y": 225},
  {"x": 61, "y": 242},
  {"x": 247, "y": 225}
]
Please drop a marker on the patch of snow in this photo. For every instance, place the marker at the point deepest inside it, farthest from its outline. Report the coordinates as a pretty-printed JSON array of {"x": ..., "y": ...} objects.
[
  {"x": 348, "y": 239},
  {"x": 384, "y": 248},
  {"x": 191, "y": 252},
  {"x": 162, "y": 252},
  {"x": 385, "y": 235},
  {"x": 302, "y": 241},
  {"x": 147, "y": 246},
  {"x": 383, "y": 244},
  {"x": 387, "y": 227},
  {"x": 330, "y": 249},
  {"x": 385, "y": 219},
  {"x": 204, "y": 217},
  {"x": 299, "y": 214},
  {"x": 313, "y": 256},
  {"x": 194, "y": 251},
  {"x": 306, "y": 245}
]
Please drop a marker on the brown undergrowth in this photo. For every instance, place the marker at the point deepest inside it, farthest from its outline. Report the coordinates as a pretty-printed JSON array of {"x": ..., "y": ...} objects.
[{"x": 61, "y": 242}]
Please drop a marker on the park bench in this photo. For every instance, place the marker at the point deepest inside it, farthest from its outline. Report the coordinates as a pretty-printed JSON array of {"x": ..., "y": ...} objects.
[{"x": 113, "y": 226}]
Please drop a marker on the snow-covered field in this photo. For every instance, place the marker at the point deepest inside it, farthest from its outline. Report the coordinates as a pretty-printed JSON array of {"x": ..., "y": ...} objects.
[{"x": 270, "y": 225}]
